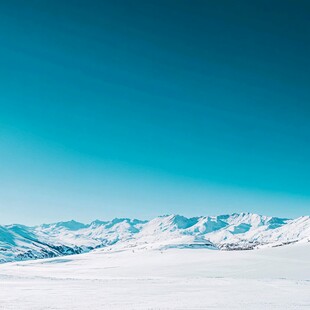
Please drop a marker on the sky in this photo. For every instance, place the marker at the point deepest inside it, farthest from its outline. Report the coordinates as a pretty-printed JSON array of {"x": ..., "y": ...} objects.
[{"x": 141, "y": 108}]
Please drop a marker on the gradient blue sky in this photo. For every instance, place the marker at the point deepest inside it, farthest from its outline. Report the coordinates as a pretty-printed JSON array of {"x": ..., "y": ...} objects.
[{"x": 140, "y": 108}]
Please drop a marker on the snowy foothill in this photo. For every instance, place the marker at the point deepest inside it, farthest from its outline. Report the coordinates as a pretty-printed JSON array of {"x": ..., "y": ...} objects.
[
  {"x": 242, "y": 231},
  {"x": 237, "y": 261},
  {"x": 174, "y": 278}
]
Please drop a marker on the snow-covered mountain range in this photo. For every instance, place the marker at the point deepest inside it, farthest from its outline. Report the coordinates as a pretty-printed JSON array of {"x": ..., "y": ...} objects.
[{"x": 225, "y": 232}]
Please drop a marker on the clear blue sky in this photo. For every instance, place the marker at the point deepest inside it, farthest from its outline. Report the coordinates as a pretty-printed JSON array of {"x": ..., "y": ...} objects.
[{"x": 140, "y": 108}]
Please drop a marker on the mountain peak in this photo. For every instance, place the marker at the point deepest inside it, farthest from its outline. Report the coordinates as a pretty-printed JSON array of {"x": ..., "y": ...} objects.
[
  {"x": 236, "y": 231},
  {"x": 70, "y": 225}
]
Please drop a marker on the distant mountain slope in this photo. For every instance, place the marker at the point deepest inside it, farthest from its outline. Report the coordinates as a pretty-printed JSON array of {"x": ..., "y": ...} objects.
[{"x": 225, "y": 232}]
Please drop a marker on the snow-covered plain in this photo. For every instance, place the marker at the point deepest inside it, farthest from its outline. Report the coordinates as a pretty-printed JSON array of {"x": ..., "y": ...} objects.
[{"x": 108, "y": 278}]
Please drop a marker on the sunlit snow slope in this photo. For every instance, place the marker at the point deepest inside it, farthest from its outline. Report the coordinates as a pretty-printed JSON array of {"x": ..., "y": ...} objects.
[
  {"x": 174, "y": 279},
  {"x": 225, "y": 232}
]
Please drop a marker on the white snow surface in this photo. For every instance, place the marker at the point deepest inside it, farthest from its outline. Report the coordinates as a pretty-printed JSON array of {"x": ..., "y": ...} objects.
[
  {"x": 228, "y": 232},
  {"x": 170, "y": 279}
]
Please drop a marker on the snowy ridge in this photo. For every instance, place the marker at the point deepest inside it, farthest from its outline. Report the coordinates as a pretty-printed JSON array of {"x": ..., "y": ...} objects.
[{"x": 225, "y": 232}]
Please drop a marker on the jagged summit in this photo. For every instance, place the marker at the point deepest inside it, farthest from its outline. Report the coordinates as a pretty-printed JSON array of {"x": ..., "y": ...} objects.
[{"x": 237, "y": 231}]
